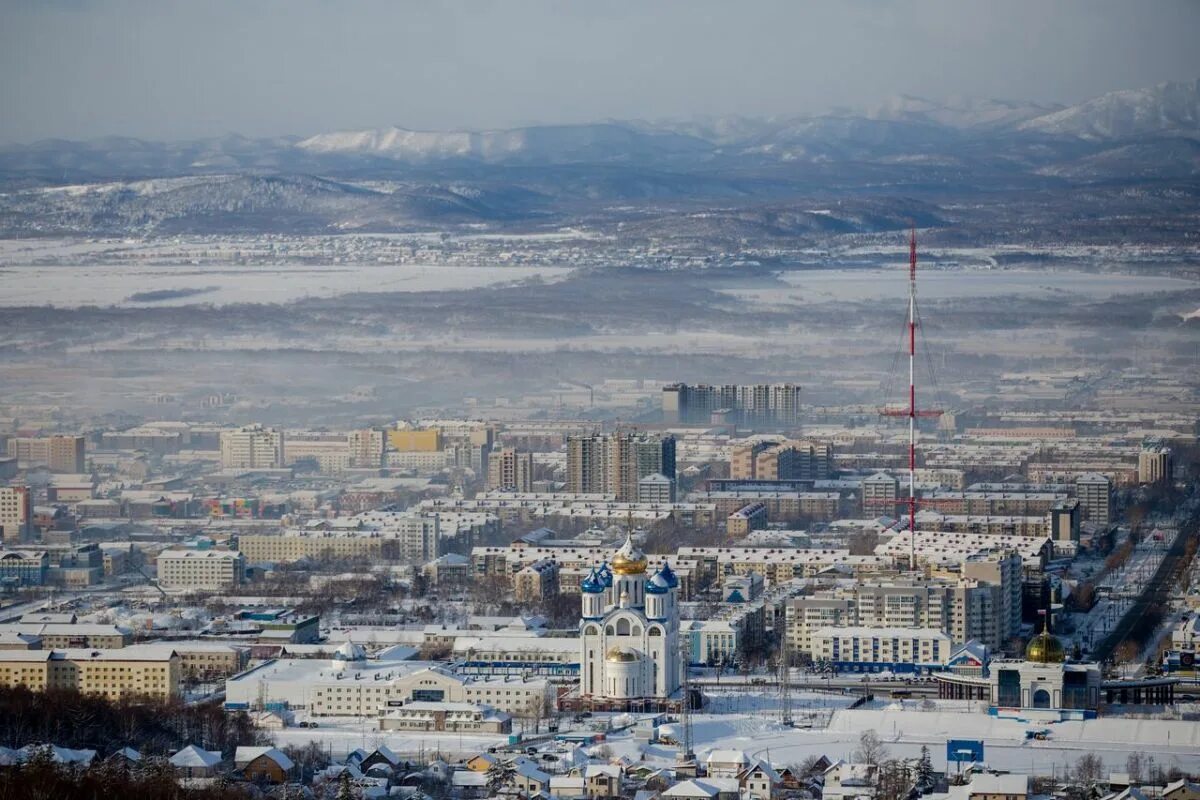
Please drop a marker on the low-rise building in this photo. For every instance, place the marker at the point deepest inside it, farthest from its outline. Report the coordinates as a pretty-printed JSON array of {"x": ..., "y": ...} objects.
[
  {"x": 444, "y": 716},
  {"x": 138, "y": 671},
  {"x": 855, "y": 649},
  {"x": 200, "y": 569}
]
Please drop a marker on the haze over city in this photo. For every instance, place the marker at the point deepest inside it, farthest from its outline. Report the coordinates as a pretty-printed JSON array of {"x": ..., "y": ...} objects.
[{"x": 755, "y": 401}]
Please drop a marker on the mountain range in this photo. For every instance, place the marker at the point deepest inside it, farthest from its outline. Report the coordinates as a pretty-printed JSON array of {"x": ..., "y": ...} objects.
[{"x": 395, "y": 178}]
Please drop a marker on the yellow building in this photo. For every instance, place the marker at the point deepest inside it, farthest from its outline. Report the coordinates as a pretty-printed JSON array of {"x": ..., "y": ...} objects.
[
  {"x": 410, "y": 441},
  {"x": 206, "y": 661},
  {"x": 139, "y": 671}
]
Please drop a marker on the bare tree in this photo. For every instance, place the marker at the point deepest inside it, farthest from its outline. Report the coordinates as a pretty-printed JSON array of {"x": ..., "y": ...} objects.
[
  {"x": 871, "y": 749},
  {"x": 1089, "y": 769},
  {"x": 1133, "y": 766}
]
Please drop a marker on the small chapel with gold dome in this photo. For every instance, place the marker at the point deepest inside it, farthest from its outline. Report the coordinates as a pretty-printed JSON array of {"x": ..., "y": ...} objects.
[{"x": 629, "y": 631}]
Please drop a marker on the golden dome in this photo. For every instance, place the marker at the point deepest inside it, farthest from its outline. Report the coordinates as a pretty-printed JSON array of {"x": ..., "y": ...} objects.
[
  {"x": 1045, "y": 648},
  {"x": 629, "y": 560},
  {"x": 620, "y": 654}
]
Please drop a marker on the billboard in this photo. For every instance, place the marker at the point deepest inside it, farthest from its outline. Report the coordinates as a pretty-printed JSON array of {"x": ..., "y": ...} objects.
[{"x": 964, "y": 750}]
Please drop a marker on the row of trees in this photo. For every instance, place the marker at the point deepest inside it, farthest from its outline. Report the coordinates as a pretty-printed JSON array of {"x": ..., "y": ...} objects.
[
  {"x": 92, "y": 722},
  {"x": 40, "y": 778}
]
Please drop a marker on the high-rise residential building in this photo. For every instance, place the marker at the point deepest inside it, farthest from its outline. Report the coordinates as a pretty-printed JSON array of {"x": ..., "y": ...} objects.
[
  {"x": 1064, "y": 521},
  {"x": 984, "y": 604},
  {"x": 510, "y": 469},
  {"x": 766, "y": 405},
  {"x": 743, "y": 460},
  {"x": 615, "y": 463},
  {"x": 16, "y": 509},
  {"x": 879, "y": 493},
  {"x": 1154, "y": 465},
  {"x": 366, "y": 448},
  {"x": 1095, "y": 497},
  {"x": 251, "y": 447},
  {"x": 587, "y": 468},
  {"x": 56, "y": 453}
]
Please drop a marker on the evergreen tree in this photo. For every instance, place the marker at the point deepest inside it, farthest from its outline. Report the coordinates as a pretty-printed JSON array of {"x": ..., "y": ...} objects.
[
  {"x": 925, "y": 777},
  {"x": 344, "y": 792}
]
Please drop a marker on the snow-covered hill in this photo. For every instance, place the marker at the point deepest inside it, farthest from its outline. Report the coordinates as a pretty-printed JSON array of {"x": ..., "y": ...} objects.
[
  {"x": 545, "y": 143},
  {"x": 1165, "y": 109}
]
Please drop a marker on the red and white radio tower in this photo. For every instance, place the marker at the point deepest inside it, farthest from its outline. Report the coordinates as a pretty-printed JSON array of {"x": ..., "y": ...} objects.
[{"x": 912, "y": 412}]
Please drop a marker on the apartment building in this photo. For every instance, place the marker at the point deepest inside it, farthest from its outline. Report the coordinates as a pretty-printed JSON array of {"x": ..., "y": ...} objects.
[
  {"x": 251, "y": 447},
  {"x": 139, "y": 671},
  {"x": 867, "y": 649},
  {"x": 1154, "y": 465},
  {"x": 767, "y": 460},
  {"x": 962, "y": 610},
  {"x": 67, "y": 635},
  {"x": 200, "y": 569},
  {"x": 656, "y": 489},
  {"x": 536, "y": 582},
  {"x": 24, "y": 567},
  {"x": 570, "y": 510},
  {"x": 757, "y": 405},
  {"x": 1095, "y": 498},
  {"x": 329, "y": 451},
  {"x": 510, "y": 470},
  {"x": 366, "y": 448},
  {"x": 880, "y": 493},
  {"x": 16, "y": 511},
  {"x": 209, "y": 661},
  {"x": 411, "y": 440},
  {"x": 780, "y": 505},
  {"x": 615, "y": 463},
  {"x": 382, "y": 536},
  {"x": 55, "y": 453}
]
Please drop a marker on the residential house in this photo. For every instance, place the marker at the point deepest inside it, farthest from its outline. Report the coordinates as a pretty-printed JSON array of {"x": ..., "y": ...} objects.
[
  {"x": 192, "y": 762},
  {"x": 847, "y": 781},
  {"x": 603, "y": 780},
  {"x": 263, "y": 763}
]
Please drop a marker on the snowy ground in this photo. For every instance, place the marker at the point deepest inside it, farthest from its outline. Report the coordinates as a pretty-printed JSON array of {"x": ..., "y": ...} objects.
[
  {"x": 139, "y": 285},
  {"x": 750, "y": 721},
  {"x": 1174, "y": 743},
  {"x": 862, "y": 285},
  {"x": 342, "y": 736}
]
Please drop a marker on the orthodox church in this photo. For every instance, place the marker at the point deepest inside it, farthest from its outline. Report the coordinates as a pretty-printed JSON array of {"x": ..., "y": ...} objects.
[{"x": 629, "y": 631}]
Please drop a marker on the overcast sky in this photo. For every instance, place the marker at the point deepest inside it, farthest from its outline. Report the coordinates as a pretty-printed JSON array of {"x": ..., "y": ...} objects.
[{"x": 185, "y": 68}]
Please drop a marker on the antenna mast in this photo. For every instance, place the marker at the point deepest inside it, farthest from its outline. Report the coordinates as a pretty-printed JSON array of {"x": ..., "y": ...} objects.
[
  {"x": 686, "y": 756},
  {"x": 912, "y": 412},
  {"x": 785, "y": 690}
]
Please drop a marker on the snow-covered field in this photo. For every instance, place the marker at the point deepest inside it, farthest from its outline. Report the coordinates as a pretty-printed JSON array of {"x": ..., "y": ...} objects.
[
  {"x": 1174, "y": 743},
  {"x": 148, "y": 286},
  {"x": 861, "y": 285},
  {"x": 750, "y": 721}
]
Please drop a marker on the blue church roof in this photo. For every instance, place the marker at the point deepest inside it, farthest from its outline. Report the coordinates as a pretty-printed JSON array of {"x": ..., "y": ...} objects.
[
  {"x": 669, "y": 575},
  {"x": 657, "y": 584},
  {"x": 593, "y": 583}
]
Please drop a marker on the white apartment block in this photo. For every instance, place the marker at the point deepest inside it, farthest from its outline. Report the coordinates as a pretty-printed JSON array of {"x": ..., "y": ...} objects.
[
  {"x": 876, "y": 649},
  {"x": 251, "y": 447},
  {"x": 200, "y": 569},
  {"x": 330, "y": 452}
]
